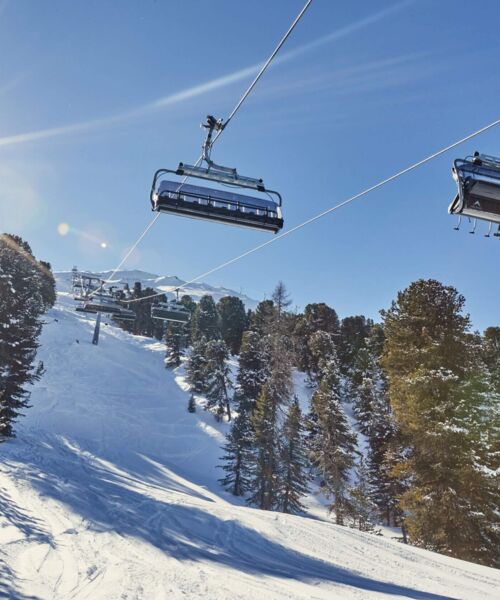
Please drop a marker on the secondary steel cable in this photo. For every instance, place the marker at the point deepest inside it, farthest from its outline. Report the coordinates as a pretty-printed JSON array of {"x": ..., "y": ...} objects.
[{"x": 332, "y": 209}]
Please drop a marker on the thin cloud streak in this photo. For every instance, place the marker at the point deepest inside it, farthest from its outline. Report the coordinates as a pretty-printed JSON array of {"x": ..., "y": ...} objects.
[{"x": 198, "y": 90}]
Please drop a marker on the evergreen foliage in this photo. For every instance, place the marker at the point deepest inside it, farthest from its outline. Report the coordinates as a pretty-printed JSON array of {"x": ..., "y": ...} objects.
[
  {"x": 217, "y": 378},
  {"x": 443, "y": 402},
  {"x": 27, "y": 290},
  {"x": 175, "y": 339},
  {"x": 205, "y": 320},
  {"x": 317, "y": 317},
  {"x": 293, "y": 474},
  {"x": 237, "y": 457},
  {"x": 196, "y": 367},
  {"x": 191, "y": 404},
  {"x": 332, "y": 443},
  {"x": 233, "y": 320}
]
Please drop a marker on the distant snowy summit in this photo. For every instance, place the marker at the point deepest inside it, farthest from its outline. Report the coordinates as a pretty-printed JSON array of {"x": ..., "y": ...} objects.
[{"x": 162, "y": 283}]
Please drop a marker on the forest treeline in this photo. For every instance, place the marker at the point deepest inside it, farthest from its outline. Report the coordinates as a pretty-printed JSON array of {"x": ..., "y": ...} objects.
[
  {"x": 27, "y": 291},
  {"x": 402, "y": 425}
]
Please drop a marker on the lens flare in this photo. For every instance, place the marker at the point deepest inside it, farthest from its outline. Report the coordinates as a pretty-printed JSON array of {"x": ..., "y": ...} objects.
[
  {"x": 104, "y": 245},
  {"x": 63, "y": 229}
]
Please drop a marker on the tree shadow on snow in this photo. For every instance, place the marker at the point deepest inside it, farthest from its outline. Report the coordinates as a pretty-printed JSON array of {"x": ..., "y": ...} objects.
[{"x": 108, "y": 501}]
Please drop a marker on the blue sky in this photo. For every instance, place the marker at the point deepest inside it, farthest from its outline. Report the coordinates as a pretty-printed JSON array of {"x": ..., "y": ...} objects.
[{"x": 95, "y": 95}]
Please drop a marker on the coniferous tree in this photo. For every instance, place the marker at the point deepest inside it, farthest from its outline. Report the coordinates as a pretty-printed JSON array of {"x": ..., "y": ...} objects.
[
  {"x": 293, "y": 474},
  {"x": 196, "y": 367},
  {"x": 190, "y": 304},
  {"x": 274, "y": 396},
  {"x": 263, "y": 317},
  {"x": 217, "y": 378},
  {"x": 253, "y": 371},
  {"x": 363, "y": 509},
  {"x": 491, "y": 355},
  {"x": 332, "y": 443},
  {"x": 191, "y": 404},
  {"x": 443, "y": 404},
  {"x": 238, "y": 455},
  {"x": 321, "y": 351},
  {"x": 353, "y": 332},
  {"x": 27, "y": 290},
  {"x": 264, "y": 477},
  {"x": 233, "y": 321},
  {"x": 205, "y": 320},
  {"x": 252, "y": 374},
  {"x": 316, "y": 317},
  {"x": 175, "y": 342}
]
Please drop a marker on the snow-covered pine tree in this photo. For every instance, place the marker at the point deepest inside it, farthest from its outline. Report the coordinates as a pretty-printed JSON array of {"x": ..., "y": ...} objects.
[
  {"x": 353, "y": 332},
  {"x": 274, "y": 396},
  {"x": 237, "y": 457},
  {"x": 332, "y": 443},
  {"x": 27, "y": 290},
  {"x": 321, "y": 351},
  {"x": 205, "y": 321},
  {"x": 233, "y": 321},
  {"x": 175, "y": 337},
  {"x": 491, "y": 354},
  {"x": 218, "y": 380},
  {"x": 262, "y": 318},
  {"x": 253, "y": 371},
  {"x": 316, "y": 317},
  {"x": 293, "y": 468},
  {"x": 196, "y": 367},
  {"x": 252, "y": 374},
  {"x": 363, "y": 509},
  {"x": 443, "y": 402},
  {"x": 264, "y": 476}
]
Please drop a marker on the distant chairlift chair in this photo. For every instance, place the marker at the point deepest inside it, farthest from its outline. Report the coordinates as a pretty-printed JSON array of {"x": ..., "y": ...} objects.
[
  {"x": 170, "y": 311},
  {"x": 478, "y": 181}
]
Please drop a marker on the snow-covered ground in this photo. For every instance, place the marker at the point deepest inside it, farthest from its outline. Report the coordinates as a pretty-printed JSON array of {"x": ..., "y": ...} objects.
[{"x": 110, "y": 492}]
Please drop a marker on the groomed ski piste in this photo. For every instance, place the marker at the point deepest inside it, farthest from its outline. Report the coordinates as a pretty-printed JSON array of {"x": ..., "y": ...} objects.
[{"x": 110, "y": 492}]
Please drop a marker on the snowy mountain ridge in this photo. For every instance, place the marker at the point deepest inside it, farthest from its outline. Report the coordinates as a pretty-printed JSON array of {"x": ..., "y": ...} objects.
[
  {"x": 110, "y": 492},
  {"x": 162, "y": 283}
]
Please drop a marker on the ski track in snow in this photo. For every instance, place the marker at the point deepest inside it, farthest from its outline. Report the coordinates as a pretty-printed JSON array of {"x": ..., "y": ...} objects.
[{"x": 110, "y": 491}]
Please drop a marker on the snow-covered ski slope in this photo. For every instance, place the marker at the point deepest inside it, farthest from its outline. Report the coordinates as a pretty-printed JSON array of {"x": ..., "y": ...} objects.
[{"x": 110, "y": 492}]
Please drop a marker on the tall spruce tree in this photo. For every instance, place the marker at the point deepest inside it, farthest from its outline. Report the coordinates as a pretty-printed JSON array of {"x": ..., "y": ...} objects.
[
  {"x": 274, "y": 396},
  {"x": 443, "y": 404},
  {"x": 175, "y": 338},
  {"x": 233, "y": 321},
  {"x": 332, "y": 443},
  {"x": 217, "y": 379},
  {"x": 363, "y": 509},
  {"x": 262, "y": 318},
  {"x": 252, "y": 374},
  {"x": 293, "y": 469},
  {"x": 196, "y": 367},
  {"x": 237, "y": 458},
  {"x": 316, "y": 317},
  {"x": 27, "y": 290},
  {"x": 205, "y": 320}
]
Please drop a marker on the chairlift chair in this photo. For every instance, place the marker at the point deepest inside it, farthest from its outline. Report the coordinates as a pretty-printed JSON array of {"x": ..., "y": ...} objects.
[
  {"x": 125, "y": 315},
  {"x": 201, "y": 202},
  {"x": 478, "y": 181},
  {"x": 102, "y": 304},
  {"x": 171, "y": 311}
]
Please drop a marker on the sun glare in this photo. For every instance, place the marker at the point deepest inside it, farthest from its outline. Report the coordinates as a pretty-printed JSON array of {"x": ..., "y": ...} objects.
[{"x": 63, "y": 229}]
